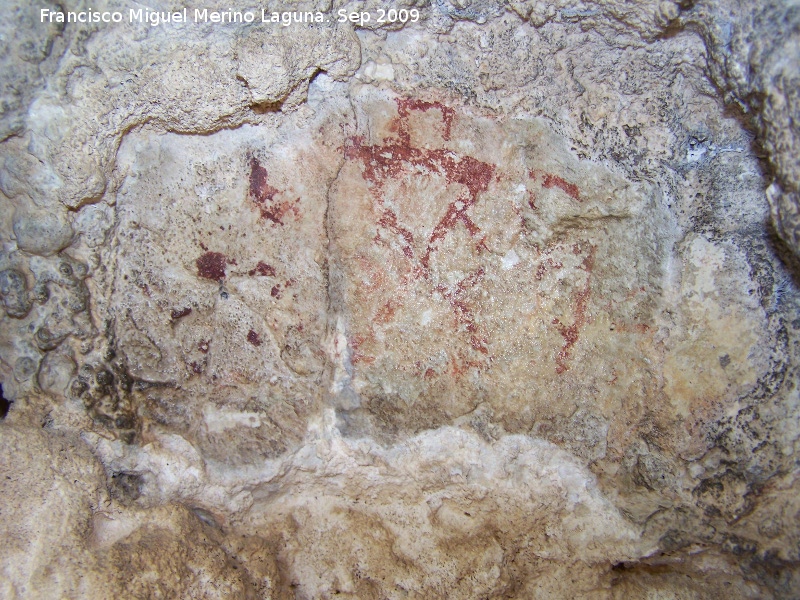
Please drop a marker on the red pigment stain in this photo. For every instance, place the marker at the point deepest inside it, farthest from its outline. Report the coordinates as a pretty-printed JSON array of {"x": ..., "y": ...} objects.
[
  {"x": 357, "y": 355},
  {"x": 460, "y": 366},
  {"x": 212, "y": 265},
  {"x": 386, "y": 313},
  {"x": 392, "y": 158},
  {"x": 462, "y": 311},
  {"x": 551, "y": 181},
  {"x": 262, "y": 269},
  {"x": 396, "y": 157},
  {"x": 263, "y": 194},
  {"x": 178, "y": 313},
  {"x": 204, "y": 345},
  {"x": 581, "y": 301},
  {"x": 275, "y": 292},
  {"x": 253, "y": 338},
  {"x": 406, "y": 105},
  {"x": 260, "y": 189},
  {"x": 389, "y": 221},
  {"x": 545, "y": 265},
  {"x": 197, "y": 367}
]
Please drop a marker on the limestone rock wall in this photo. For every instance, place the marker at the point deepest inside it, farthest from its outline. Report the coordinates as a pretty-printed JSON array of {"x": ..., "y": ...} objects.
[{"x": 498, "y": 302}]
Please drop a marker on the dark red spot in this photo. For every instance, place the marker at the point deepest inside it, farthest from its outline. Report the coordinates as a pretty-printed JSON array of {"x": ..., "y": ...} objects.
[
  {"x": 262, "y": 269},
  {"x": 276, "y": 292},
  {"x": 212, "y": 265},
  {"x": 253, "y": 338},
  {"x": 260, "y": 189},
  {"x": 197, "y": 367},
  {"x": 550, "y": 181},
  {"x": 177, "y": 313},
  {"x": 263, "y": 194}
]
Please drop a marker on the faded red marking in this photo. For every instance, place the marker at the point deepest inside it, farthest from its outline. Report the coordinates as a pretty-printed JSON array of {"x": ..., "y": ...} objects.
[
  {"x": 462, "y": 311},
  {"x": 460, "y": 366},
  {"x": 545, "y": 265},
  {"x": 197, "y": 367},
  {"x": 551, "y": 181},
  {"x": 204, "y": 345},
  {"x": 581, "y": 298},
  {"x": 532, "y": 201},
  {"x": 253, "y": 338},
  {"x": 275, "y": 292},
  {"x": 392, "y": 158},
  {"x": 395, "y": 157},
  {"x": 179, "y": 313},
  {"x": 263, "y": 194},
  {"x": 262, "y": 268},
  {"x": 389, "y": 221},
  {"x": 355, "y": 343},
  {"x": 406, "y": 105},
  {"x": 386, "y": 312},
  {"x": 212, "y": 265}
]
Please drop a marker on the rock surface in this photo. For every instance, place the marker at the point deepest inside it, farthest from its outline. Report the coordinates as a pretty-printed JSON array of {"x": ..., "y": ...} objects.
[{"x": 498, "y": 302}]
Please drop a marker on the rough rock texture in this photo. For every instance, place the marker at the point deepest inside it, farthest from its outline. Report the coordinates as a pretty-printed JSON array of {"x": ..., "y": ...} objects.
[{"x": 498, "y": 303}]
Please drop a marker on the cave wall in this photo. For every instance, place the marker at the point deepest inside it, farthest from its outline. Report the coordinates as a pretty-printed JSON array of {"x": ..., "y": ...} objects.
[{"x": 502, "y": 302}]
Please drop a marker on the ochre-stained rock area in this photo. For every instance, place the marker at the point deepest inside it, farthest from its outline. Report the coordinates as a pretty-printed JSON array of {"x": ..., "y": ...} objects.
[{"x": 488, "y": 299}]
